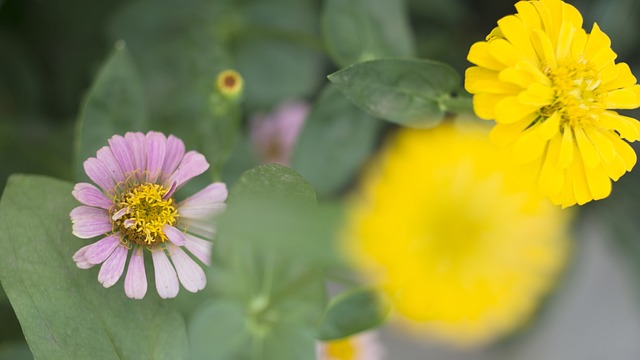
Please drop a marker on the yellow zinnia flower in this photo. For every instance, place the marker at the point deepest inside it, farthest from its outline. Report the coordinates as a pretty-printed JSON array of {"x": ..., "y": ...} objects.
[
  {"x": 550, "y": 87},
  {"x": 441, "y": 226}
]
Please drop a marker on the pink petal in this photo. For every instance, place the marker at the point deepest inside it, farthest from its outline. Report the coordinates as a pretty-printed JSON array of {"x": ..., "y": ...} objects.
[
  {"x": 111, "y": 270},
  {"x": 91, "y": 195},
  {"x": 193, "y": 164},
  {"x": 199, "y": 248},
  {"x": 166, "y": 279},
  {"x": 156, "y": 147},
  {"x": 80, "y": 259},
  {"x": 204, "y": 229},
  {"x": 99, "y": 174},
  {"x": 137, "y": 144},
  {"x": 204, "y": 203},
  {"x": 173, "y": 155},
  {"x": 122, "y": 152},
  {"x": 106, "y": 156},
  {"x": 190, "y": 274},
  {"x": 102, "y": 249},
  {"x": 89, "y": 222},
  {"x": 175, "y": 236},
  {"x": 135, "y": 283}
]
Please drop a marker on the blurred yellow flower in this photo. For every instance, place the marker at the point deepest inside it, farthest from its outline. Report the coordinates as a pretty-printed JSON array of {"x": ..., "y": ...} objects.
[
  {"x": 363, "y": 346},
  {"x": 441, "y": 226},
  {"x": 550, "y": 87}
]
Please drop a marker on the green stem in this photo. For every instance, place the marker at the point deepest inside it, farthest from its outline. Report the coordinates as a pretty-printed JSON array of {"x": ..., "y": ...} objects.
[{"x": 462, "y": 104}]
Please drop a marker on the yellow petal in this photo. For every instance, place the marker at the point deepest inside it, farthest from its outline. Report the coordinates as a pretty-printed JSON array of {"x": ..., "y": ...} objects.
[
  {"x": 477, "y": 80},
  {"x": 624, "y": 151},
  {"x": 602, "y": 144},
  {"x": 625, "y": 78},
  {"x": 516, "y": 32},
  {"x": 504, "y": 134},
  {"x": 529, "y": 146},
  {"x": 535, "y": 72},
  {"x": 517, "y": 77},
  {"x": 598, "y": 181},
  {"x": 621, "y": 99},
  {"x": 566, "y": 148},
  {"x": 602, "y": 58},
  {"x": 550, "y": 127},
  {"x": 538, "y": 95},
  {"x": 589, "y": 154},
  {"x": 551, "y": 179},
  {"x": 609, "y": 73},
  {"x": 567, "y": 196},
  {"x": 551, "y": 16},
  {"x": 571, "y": 15},
  {"x": 615, "y": 168},
  {"x": 484, "y": 105},
  {"x": 479, "y": 54},
  {"x": 504, "y": 52},
  {"x": 544, "y": 48},
  {"x": 565, "y": 39},
  {"x": 528, "y": 14},
  {"x": 627, "y": 127},
  {"x": 578, "y": 42},
  {"x": 579, "y": 181},
  {"x": 510, "y": 110},
  {"x": 596, "y": 41}
]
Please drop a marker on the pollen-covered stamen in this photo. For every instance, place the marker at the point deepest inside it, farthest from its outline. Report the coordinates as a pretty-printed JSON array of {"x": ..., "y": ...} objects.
[
  {"x": 142, "y": 212},
  {"x": 577, "y": 96}
]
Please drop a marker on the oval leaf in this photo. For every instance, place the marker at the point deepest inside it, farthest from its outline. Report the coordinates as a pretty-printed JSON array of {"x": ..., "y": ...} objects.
[
  {"x": 351, "y": 313},
  {"x": 409, "y": 92},
  {"x": 115, "y": 104},
  {"x": 64, "y": 312},
  {"x": 336, "y": 139}
]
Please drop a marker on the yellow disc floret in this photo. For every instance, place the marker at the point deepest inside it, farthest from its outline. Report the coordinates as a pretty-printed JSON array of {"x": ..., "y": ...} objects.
[
  {"x": 577, "y": 96},
  {"x": 142, "y": 212}
]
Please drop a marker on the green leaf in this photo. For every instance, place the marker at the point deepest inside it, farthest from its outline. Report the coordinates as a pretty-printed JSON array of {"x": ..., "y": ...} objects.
[
  {"x": 115, "y": 104},
  {"x": 351, "y": 313},
  {"x": 64, "y": 312},
  {"x": 409, "y": 92},
  {"x": 268, "y": 285},
  {"x": 359, "y": 30},
  {"x": 274, "y": 181},
  {"x": 218, "y": 331},
  {"x": 336, "y": 139}
]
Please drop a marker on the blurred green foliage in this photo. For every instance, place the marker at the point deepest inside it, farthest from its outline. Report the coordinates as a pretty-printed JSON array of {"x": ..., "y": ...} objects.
[{"x": 55, "y": 54}]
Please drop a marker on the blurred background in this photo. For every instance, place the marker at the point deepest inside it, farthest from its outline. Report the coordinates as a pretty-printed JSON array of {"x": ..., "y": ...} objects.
[{"x": 51, "y": 50}]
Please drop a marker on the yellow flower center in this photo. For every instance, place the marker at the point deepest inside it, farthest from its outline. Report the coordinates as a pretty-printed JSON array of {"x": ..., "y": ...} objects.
[
  {"x": 577, "y": 94},
  {"x": 343, "y": 349},
  {"x": 142, "y": 212}
]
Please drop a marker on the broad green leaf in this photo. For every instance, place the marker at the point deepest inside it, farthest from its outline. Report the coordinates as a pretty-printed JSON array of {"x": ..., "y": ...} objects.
[
  {"x": 351, "y": 313},
  {"x": 218, "y": 331},
  {"x": 64, "y": 312},
  {"x": 273, "y": 208},
  {"x": 266, "y": 282},
  {"x": 409, "y": 92},
  {"x": 359, "y": 30},
  {"x": 115, "y": 104},
  {"x": 336, "y": 139},
  {"x": 274, "y": 181}
]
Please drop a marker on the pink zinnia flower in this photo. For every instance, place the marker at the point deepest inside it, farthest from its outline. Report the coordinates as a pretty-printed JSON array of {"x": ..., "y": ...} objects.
[
  {"x": 273, "y": 136},
  {"x": 135, "y": 211}
]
